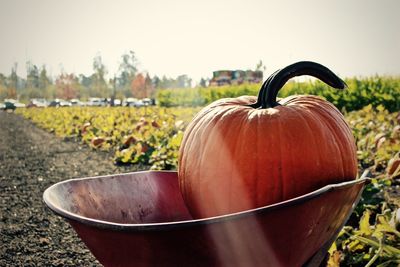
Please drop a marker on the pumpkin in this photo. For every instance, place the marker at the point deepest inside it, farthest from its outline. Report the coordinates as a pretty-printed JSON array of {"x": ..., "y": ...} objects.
[{"x": 248, "y": 152}]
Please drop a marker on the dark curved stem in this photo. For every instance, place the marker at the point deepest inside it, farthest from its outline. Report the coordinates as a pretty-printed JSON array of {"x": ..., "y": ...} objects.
[
  {"x": 270, "y": 88},
  {"x": 261, "y": 93}
]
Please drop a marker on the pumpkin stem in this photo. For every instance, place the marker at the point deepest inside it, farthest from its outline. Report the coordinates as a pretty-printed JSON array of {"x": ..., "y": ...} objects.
[{"x": 270, "y": 88}]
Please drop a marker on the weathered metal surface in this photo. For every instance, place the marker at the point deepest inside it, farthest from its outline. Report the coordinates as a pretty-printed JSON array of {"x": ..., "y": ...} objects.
[{"x": 140, "y": 219}]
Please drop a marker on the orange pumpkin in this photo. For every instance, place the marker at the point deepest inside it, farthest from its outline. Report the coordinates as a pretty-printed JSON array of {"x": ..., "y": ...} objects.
[{"x": 247, "y": 152}]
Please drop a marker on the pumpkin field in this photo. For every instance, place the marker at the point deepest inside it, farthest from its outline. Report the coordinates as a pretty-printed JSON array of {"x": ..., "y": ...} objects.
[
  {"x": 151, "y": 137},
  {"x": 217, "y": 147},
  {"x": 200, "y": 133}
]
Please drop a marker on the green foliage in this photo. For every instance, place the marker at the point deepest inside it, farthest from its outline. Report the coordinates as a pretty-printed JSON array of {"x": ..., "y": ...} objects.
[
  {"x": 193, "y": 97},
  {"x": 371, "y": 236},
  {"x": 376, "y": 91}
]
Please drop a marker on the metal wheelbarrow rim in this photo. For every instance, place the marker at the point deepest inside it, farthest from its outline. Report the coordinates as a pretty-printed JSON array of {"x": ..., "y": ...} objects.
[{"x": 186, "y": 223}]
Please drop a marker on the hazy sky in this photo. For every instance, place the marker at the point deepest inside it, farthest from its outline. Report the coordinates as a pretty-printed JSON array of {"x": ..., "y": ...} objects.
[{"x": 196, "y": 37}]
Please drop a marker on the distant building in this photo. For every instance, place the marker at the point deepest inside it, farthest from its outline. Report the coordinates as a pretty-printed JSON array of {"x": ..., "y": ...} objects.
[{"x": 227, "y": 77}]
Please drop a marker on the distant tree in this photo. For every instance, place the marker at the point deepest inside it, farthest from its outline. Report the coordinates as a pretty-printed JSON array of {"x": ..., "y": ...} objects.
[
  {"x": 148, "y": 85},
  {"x": 164, "y": 82},
  {"x": 260, "y": 66},
  {"x": 67, "y": 86},
  {"x": 127, "y": 70},
  {"x": 203, "y": 82},
  {"x": 50, "y": 91},
  {"x": 167, "y": 83},
  {"x": 99, "y": 68},
  {"x": 3, "y": 86},
  {"x": 183, "y": 81},
  {"x": 3, "y": 92},
  {"x": 13, "y": 83},
  {"x": 99, "y": 86},
  {"x": 13, "y": 78},
  {"x": 3, "y": 80},
  {"x": 85, "y": 84},
  {"x": 138, "y": 86},
  {"x": 156, "y": 82},
  {"x": 44, "y": 80},
  {"x": 85, "y": 80},
  {"x": 32, "y": 75},
  {"x": 112, "y": 82}
]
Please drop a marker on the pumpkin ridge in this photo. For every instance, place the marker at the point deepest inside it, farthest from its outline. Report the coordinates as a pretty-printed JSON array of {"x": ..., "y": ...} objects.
[
  {"x": 237, "y": 142},
  {"x": 186, "y": 145},
  {"x": 189, "y": 146},
  {"x": 302, "y": 113},
  {"x": 257, "y": 147},
  {"x": 280, "y": 174},
  {"x": 253, "y": 120},
  {"x": 188, "y": 131},
  {"x": 266, "y": 121},
  {"x": 327, "y": 132},
  {"x": 211, "y": 122},
  {"x": 214, "y": 121},
  {"x": 327, "y": 118},
  {"x": 345, "y": 128}
]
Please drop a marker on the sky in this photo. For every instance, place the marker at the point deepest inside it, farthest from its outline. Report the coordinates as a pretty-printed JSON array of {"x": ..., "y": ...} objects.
[{"x": 174, "y": 37}]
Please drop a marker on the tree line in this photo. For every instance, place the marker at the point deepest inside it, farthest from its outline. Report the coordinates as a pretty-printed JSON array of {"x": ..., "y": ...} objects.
[{"x": 130, "y": 82}]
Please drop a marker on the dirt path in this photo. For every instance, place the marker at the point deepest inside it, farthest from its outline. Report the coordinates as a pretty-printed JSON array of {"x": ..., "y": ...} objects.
[{"x": 30, "y": 161}]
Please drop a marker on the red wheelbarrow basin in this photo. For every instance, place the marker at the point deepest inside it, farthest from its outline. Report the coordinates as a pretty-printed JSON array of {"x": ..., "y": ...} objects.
[{"x": 140, "y": 219}]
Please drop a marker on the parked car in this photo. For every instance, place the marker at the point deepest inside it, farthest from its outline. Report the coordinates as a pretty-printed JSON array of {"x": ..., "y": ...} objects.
[
  {"x": 76, "y": 102},
  {"x": 133, "y": 102},
  {"x": 19, "y": 105},
  {"x": 148, "y": 101},
  {"x": 97, "y": 102},
  {"x": 38, "y": 102},
  {"x": 12, "y": 104},
  {"x": 117, "y": 102},
  {"x": 59, "y": 103},
  {"x": 8, "y": 106}
]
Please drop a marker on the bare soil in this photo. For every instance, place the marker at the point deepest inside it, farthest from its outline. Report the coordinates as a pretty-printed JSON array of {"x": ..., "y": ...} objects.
[{"x": 30, "y": 161}]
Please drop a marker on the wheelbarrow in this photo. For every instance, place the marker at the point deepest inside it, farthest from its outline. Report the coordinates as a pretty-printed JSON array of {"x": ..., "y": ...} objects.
[{"x": 140, "y": 219}]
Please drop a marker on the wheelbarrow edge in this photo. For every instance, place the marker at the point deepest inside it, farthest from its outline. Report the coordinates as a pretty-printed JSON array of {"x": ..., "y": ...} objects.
[{"x": 187, "y": 223}]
